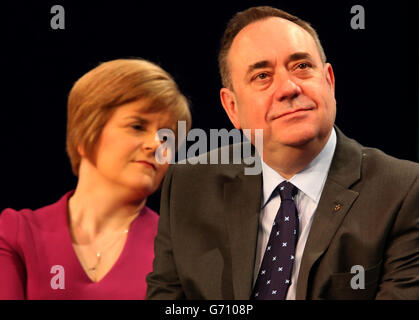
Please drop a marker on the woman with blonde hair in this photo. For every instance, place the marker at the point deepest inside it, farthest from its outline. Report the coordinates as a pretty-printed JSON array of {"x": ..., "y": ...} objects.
[{"x": 96, "y": 242}]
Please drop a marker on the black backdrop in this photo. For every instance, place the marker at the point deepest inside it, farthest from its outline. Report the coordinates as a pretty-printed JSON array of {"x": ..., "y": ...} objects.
[{"x": 376, "y": 73}]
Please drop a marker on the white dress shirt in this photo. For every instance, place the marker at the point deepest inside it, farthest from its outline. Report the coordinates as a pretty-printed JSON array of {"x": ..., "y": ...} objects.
[{"x": 310, "y": 183}]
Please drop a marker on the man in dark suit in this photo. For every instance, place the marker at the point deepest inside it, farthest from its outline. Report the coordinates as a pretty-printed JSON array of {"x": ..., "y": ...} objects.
[{"x": 354, "y": 211}]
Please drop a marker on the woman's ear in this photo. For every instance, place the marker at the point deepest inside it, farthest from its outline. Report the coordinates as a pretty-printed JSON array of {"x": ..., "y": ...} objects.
[{"x": 81, "y": 151}]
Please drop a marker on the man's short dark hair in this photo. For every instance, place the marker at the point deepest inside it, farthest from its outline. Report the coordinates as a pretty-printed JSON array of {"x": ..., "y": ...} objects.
[{"x": 246, "y": 17}]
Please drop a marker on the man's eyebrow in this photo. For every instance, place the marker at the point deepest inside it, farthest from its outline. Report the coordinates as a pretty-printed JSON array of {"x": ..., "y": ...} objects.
[
  {"x": 293, "y": 57},
  {"x": 258, "y": 65},
  {"x": 299, "y": 56}
]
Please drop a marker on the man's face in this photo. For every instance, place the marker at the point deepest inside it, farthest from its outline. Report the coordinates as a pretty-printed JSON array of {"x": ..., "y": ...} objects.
[{"x": 280, "y": 85}]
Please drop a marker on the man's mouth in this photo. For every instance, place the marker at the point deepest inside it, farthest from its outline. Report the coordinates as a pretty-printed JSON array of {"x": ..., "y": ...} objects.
[{"x": 290, "y": 112}]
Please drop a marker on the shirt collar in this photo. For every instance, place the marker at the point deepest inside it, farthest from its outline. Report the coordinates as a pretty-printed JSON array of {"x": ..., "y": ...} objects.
[{"x": 310, "y": 180}]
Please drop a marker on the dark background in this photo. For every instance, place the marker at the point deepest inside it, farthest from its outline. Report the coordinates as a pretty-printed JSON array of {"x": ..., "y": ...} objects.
[{"x": 376, "y": 72}]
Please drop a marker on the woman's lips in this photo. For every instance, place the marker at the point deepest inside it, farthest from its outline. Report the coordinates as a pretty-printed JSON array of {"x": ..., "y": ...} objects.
[{"x": 147, "y": 164}]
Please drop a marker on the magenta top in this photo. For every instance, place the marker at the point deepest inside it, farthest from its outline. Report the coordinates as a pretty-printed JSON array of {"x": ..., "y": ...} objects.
[{"x": 37, "y": 259}]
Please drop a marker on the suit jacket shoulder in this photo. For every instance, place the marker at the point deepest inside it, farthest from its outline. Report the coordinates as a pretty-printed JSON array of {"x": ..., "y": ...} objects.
[{"x": 367, "y": 216}]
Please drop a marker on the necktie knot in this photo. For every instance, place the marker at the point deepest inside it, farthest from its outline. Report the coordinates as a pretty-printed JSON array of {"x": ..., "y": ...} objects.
[{"x": 287, "y": 191}]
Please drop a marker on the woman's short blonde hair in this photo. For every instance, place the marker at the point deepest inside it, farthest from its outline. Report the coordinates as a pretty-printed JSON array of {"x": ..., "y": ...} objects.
[{"x": 96, "y": 95}]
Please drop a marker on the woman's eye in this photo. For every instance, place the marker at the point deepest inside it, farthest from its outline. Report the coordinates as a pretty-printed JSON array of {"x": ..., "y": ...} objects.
[{"x": 137, "y": 127}]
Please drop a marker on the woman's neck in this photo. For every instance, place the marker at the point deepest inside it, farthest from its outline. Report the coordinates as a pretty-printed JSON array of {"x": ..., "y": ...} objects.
[{"x": 99, "y": 207}]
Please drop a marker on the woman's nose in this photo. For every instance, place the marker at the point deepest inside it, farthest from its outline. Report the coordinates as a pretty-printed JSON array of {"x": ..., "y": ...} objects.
[{"x": 151, "y": 142}]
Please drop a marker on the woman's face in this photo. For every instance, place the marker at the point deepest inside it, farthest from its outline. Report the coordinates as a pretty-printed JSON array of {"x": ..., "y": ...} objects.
[{"x": 125, "y": 152}]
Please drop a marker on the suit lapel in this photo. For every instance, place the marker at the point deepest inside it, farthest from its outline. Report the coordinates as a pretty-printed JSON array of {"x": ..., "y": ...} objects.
[
  {"x": 335, "y": 202},
  {"x": 242, "y": 196}
]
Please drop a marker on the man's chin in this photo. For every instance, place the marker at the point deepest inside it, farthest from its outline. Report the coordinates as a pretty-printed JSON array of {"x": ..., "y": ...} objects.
[{"x": 297, "y": 138}]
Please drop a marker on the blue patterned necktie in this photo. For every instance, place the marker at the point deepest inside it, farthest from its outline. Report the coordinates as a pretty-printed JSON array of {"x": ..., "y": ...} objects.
[{"x": 274, "y": 276}]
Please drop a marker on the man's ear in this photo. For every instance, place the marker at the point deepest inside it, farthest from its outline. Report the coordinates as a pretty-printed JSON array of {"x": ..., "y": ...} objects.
[
  {"x": 330, "y": 76},
  {"x": 228, "y": 100}
]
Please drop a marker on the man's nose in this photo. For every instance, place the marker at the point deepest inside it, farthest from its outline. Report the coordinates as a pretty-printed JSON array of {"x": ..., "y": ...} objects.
[{"x": 286, "y": 88}]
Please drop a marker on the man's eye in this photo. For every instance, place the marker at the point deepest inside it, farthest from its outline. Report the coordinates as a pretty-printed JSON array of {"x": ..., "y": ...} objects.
[
  {"x": 303, "y": 65},
  {"x": 261, "y": 76}
]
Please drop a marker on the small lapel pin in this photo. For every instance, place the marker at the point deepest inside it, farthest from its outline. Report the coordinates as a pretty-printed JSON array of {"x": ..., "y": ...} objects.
[{"x": 337, "y": 207}]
